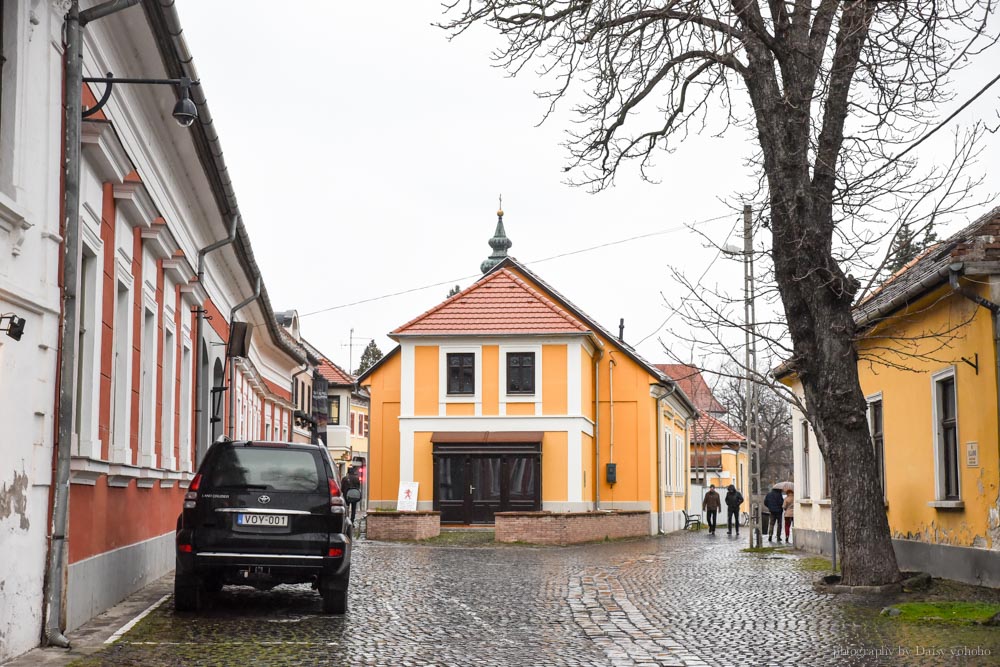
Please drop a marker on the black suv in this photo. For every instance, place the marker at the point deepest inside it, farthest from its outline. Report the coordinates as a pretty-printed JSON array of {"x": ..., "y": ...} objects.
[{"x": 262, "y": 514}]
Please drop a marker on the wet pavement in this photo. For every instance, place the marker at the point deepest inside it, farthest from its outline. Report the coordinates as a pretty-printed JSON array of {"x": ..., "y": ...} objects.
[{"x": 685, "y": 599}]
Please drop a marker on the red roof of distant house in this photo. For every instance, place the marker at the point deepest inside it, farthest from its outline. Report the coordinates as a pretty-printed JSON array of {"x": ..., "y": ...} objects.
[
  {"x": 333, "y": 373},
  {"x": 500, "y": 303},
  {"x": 693, "y": 384},
  {"x": 709, "y": 429}
]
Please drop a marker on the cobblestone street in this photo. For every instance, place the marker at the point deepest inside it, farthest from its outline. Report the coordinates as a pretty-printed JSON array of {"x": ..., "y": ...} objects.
[{"x": 686, "y": 599}]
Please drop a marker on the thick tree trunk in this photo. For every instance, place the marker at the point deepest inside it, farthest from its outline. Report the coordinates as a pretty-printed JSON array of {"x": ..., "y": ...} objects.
[{"x": 817, "y": 302}]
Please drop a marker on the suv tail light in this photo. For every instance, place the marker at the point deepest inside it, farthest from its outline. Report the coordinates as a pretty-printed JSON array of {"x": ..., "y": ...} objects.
[
  {"x": 191, "y": 497},
  {"x": 336, "y": 499}
]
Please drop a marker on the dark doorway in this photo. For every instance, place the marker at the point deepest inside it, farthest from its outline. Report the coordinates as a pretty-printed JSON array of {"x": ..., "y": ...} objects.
[{"x": 473, "y": 481}]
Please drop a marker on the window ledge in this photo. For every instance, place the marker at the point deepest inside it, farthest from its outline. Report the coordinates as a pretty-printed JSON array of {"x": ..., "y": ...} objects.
[
  {"x": 825, "y": 502},
  {"x": 804, "y": 501},
  {"x": 947, "y": 504}
]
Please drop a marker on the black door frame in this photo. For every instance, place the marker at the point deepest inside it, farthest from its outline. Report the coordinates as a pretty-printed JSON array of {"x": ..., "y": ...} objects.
[{"x": 467, "y": 453}]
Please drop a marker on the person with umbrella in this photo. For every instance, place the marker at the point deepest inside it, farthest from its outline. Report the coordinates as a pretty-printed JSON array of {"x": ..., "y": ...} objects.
[
  {"x": 774, "y": 502},
  {"x": 789, "y": 507}
]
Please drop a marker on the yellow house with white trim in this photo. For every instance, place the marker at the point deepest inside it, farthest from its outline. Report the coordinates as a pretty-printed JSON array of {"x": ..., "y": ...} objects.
[
  {"x": 928, "y": 369},
  {"x": 507, "y": 397}
]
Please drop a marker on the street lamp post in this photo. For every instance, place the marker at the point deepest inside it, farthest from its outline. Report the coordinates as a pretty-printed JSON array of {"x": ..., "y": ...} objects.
[
  {"x": 185, "y": 112},
  {"x": 749, "y": 365}
]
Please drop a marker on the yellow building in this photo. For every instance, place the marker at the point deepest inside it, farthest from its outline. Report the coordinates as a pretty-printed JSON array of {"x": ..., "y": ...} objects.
[
  {"x": 928, "y": 369},
  {"x": 494, "y": 400}
]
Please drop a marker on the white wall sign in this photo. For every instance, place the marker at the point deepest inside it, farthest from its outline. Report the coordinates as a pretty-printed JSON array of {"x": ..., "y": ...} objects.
[
  {"x": 972, "y": 454},
  {"x": 407, "y": 501}
]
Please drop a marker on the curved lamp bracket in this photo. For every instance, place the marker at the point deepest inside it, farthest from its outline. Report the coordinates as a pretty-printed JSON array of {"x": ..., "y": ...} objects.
[{"x": 104, "y": 98}]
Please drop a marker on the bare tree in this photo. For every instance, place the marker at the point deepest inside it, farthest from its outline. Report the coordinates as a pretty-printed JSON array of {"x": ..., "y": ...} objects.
[
  {"x": 834, "y": 88},
  {"x": 773, "y": 420}
]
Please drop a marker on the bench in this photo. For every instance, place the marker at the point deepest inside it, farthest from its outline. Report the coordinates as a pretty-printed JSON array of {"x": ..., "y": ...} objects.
[{"x": 691, "y": 520}]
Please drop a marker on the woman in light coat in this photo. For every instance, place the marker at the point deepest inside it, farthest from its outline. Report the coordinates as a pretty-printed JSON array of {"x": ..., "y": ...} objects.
[{"x": 788, "y": 508}]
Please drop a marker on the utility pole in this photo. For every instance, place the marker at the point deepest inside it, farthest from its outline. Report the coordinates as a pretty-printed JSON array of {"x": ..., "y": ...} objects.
[{"x": 750, "y": 317}]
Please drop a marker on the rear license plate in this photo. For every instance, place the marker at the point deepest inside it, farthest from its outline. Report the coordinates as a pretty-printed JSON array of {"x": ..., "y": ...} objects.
[{"x": 278, "y": 520}]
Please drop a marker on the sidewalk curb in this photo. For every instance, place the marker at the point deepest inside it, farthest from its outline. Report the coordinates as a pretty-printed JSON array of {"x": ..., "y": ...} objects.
[{"x": 98, "y": 632}]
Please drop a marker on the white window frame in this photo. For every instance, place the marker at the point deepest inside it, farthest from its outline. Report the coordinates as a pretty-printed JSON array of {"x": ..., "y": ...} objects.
[
  {"x": 678, "y": 463},
  {"x": 120, "y": 449},
  {"x": 669, "y": 460},
  {"x": 147, "y": 385},
  {"x": 535, "y": 397},
  {"x": 90, "y": 326},
  {"x": 169, "y": 411},
  {"x": 939, "y": 479},
  {"x": 187, "y": 370},
  {"x": 869, "y": 400},
  {"x": 477, "y": 368}
]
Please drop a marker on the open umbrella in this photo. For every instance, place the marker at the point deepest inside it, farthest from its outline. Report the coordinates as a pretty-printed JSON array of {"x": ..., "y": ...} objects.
[{"x": 785, "y": 486}]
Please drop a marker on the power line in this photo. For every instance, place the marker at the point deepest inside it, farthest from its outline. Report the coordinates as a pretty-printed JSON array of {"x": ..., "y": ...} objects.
[{"x": 669, "y": 230}]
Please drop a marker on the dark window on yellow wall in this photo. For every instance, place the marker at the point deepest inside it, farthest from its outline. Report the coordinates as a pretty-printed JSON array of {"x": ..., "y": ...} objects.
[
  {"x": 461, "y": 373},
  {"x": 878, "y": 440},
  {"x": 805, "y": 459},
  {"x": 948, "y": 434},
  {"x": 520, "y": 372},
  {"x": 334, "y": 411}
]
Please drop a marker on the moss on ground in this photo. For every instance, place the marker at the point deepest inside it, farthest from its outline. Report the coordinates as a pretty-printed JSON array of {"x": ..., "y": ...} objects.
[
  {"x": 951, "y": 613},
  {"x": 814, "y": 564}
]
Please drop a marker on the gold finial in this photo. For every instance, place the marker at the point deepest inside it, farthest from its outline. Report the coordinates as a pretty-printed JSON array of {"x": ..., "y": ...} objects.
[{"x": 500, "y": 209}]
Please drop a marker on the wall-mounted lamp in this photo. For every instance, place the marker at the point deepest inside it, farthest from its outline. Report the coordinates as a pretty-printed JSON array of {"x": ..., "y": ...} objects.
[
  {"x": 185, "y": 112},
  {"x": 15, "y": 325}
]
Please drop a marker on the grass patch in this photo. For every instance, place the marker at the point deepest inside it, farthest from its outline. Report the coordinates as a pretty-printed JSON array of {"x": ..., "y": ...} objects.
[
  {"x": 763, "y": 550},
  {"x": 950, "y": 613},
  {"x": 815, "y": 564}
]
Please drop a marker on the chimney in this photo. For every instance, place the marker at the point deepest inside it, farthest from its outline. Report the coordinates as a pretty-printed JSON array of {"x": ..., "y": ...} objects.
[{"x": 621, "y": 330}]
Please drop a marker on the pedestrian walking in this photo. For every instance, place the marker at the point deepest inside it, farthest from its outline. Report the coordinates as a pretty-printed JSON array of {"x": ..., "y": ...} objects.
[
  {"x": 711, "y": 504},
  {"x": 350, "y": 486},
  {"x": 733, "y": 501},
  {"x": 774, "y": 503},
  {"x": 789, "y": 508}
]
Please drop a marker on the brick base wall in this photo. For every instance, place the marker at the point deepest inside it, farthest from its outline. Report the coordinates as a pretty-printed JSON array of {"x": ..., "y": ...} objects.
[
  {"x": 569, "y": 527},
  {"x": 403, "y": 525}
]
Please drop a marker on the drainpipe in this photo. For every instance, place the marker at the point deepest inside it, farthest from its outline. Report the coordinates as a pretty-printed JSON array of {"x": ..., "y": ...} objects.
[
  {"x": 73, "y": 104},
  {"x": 198, "y": 324},
  {"x": 597, "y": 429},
  {"x": 232, "y": 367},
  {"x": 611, "y": 404}
]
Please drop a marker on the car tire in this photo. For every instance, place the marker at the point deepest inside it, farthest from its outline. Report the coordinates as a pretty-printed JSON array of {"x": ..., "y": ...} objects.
[
  {"x": 334, "y": 601},
  {"x": 187, "y": 593}
]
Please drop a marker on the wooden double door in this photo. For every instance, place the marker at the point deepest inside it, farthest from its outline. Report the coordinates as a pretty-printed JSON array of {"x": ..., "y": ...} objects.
[{"x": 469, "y": 488}]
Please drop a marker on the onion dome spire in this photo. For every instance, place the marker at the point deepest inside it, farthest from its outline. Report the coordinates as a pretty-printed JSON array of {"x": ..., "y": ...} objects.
[{"x": 500, "y": 244}]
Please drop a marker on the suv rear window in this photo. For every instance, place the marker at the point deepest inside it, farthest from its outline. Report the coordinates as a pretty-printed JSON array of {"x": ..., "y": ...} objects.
[{"x": 268, "y": 469}]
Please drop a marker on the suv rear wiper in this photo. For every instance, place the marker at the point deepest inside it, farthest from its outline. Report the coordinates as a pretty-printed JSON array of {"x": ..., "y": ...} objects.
[{"x": 255, "y": 487}]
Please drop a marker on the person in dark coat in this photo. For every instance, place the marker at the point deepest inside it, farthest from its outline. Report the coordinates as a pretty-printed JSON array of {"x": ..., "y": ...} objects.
[
  {"x": 774, "y": 501},
  {"x": 733, "y": 501},
  {"x": 350, "y": 486},
  {"x": 711, "y": 504}
]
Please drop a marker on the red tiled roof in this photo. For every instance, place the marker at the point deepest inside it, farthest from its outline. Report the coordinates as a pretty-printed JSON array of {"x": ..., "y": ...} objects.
[
  {"x": 499, "y": 303},
  {"x": 693, "y": 384},
  {"x": 709, "y": 429},
  {"x": 333, "y": 373}
]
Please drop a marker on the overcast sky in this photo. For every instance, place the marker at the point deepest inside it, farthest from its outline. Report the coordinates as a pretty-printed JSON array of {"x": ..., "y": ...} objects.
[{"x": 368, "y": 153}]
